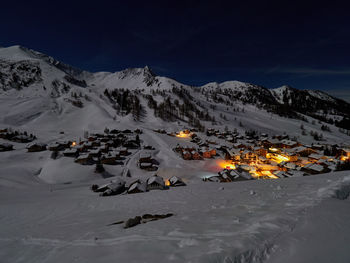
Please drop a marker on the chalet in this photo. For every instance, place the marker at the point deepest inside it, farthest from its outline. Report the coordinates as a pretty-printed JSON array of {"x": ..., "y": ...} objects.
[
  {"x": 156, "y": 182},
  {"x": 233, "y": 154},
  {"x": 267, "y": 143},
  {"x": 148, "y": 166},
  {"x": 80, "y": 148},
  {"x": 71, "y": 152},
  {"x": 22, "y": 138},
  {"x": 88, "y": 145},
  {"x": 95, "y": 153},
  {"x": 175, "y": 181},
  {"x": 248, "y": 156},
  {"x": 288, "y": 144},
  {"x": 145, "y": 158},
  {"x": 84, "y": 159},
  {"x": 108, "y": 159},
  {"x": 137, "y": 187},
  {"x": 123, "y": 151},
  {"x": 104, "y": 148},
  {"x": 317, "y": 146},
  {"x": 316, "y": 157},
  {"x": 196, "y": 155},
  {"x": 96, "y": 143},
  {"x": 239, "y": 145},
  {"x": 186, "y": 155},
  {"x": 148, "y": 147},
  {"x": 92, "y": 138},
  {"x": 343, "y": 154},
  {"x": 114, "y": 188},
  {"x": 131, "y": 144},
  {"x": 313, "y": 168},
  {"x": 205, "y": 153},
  {"x": 213, "y": 152},
  {"x": 36, "y": 147},
  {"x": 260, "y": 151},
  {"x": 55, "y": 147},
  {"x": 240, "y": 175},
  {"x": 4, "y": 147},
  {"x": 64, "y": 144},
  {"x": 280, "y": 174},
  {"x": 304, "y": 151}
]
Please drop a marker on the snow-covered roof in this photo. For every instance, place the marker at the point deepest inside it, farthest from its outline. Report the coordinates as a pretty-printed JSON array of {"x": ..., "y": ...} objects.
[{"x": 156, "y": 179}]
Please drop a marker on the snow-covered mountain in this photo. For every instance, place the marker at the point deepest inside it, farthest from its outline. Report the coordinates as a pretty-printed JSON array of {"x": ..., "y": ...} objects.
[
  {"x": 38, "y": 91},
  {"x": 49, "y": 214}
]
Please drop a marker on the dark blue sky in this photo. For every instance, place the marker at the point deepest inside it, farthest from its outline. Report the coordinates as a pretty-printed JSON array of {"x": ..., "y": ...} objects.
[{"x": 305, "y": 45}]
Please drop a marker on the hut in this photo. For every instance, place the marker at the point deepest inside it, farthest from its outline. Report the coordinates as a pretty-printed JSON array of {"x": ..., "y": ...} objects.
[
  {"x": 176, "y": 181},
  {"x": 84, "y": 159},
  {"x": 137, "y": 187},
  {"x": 196, "y": 155},
  {"x": 71, "y": 152},
  {"x": 4, "y": 147},
  {"x": 36, "y": 147},
  {"x": 156, "y": 182}
]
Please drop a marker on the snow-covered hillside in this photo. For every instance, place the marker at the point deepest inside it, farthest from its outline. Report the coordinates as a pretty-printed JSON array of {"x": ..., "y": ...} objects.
[
  {"x": 49, "y": 214},
  {"x": 38, "y": 91}
]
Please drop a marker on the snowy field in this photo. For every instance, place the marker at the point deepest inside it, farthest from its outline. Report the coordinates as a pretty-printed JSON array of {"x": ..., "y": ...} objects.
[
  {"x": 49, "y": 214},
  {"x": 295, "y": 219}
]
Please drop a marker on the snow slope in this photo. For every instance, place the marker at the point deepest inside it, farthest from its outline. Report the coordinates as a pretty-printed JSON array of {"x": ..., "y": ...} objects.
[
  {"x": 48, "y": 213},
  {"x": 239, "y": 222}
]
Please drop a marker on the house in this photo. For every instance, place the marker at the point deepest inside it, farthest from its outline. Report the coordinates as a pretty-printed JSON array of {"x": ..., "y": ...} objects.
[
  {"x": 71, "y": 152},
  {"x": 95, "y": 152},
  {"x": 303, "y": 151},
  {"x": 84, "y": 159},
  {"x": 145, "y": 158},
  {"x": 313, "y": 168},
  {"x": 248, "y": 155},
  {"x": 186, "y": 155},
  {"x": 260, "y": 151},
  {"x": 36, "y": 147},
  {"x": 148, "y": 166},
  {"x": 196, "y": 155},
  {"x": 267, "y": 143},
  {"x": 123, "y": 151},
  {"x": 233, "y": 154},
  {"x": 148, "y": 147},
  {"x": 22, "y": 138},
  {"x": 108, "y": 159},
  {"x": 205, "y": 153},
  {"x": 156, "y": 182},
  {"x": 316, "y": 157},
  {"x": 137, "y": 187},
  {"x": 176, "y": 181},
  {"x": 288, "y": 144},
  {"x": 114, "y": 188},
  {"x": 4, "y": 147},
  {"x": 240, "y": 175},
  {"x": 55, "y": 147}
]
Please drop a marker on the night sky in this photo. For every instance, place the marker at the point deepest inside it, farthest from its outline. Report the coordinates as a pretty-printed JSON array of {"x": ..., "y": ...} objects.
[{"x": 305, "y": 45}]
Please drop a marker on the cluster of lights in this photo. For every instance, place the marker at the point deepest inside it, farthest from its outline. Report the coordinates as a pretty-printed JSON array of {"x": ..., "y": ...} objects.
[
  {"x": 181, "y": 134},
  {"x": 226, "y": 164}
]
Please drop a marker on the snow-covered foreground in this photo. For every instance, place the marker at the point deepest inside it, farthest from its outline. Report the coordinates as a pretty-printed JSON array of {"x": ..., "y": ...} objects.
[{"x": 287, "y": 220}]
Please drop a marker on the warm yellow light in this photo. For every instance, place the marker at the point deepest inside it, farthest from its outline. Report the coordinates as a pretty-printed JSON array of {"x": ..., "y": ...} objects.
[
  {"x": 226, "y": 164},
  {"x": 74, "y": 144},
  {"x": 181, "y": 134},
  {"x": 273, "y": 149},
  {"x": 167, "y": 183}
]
